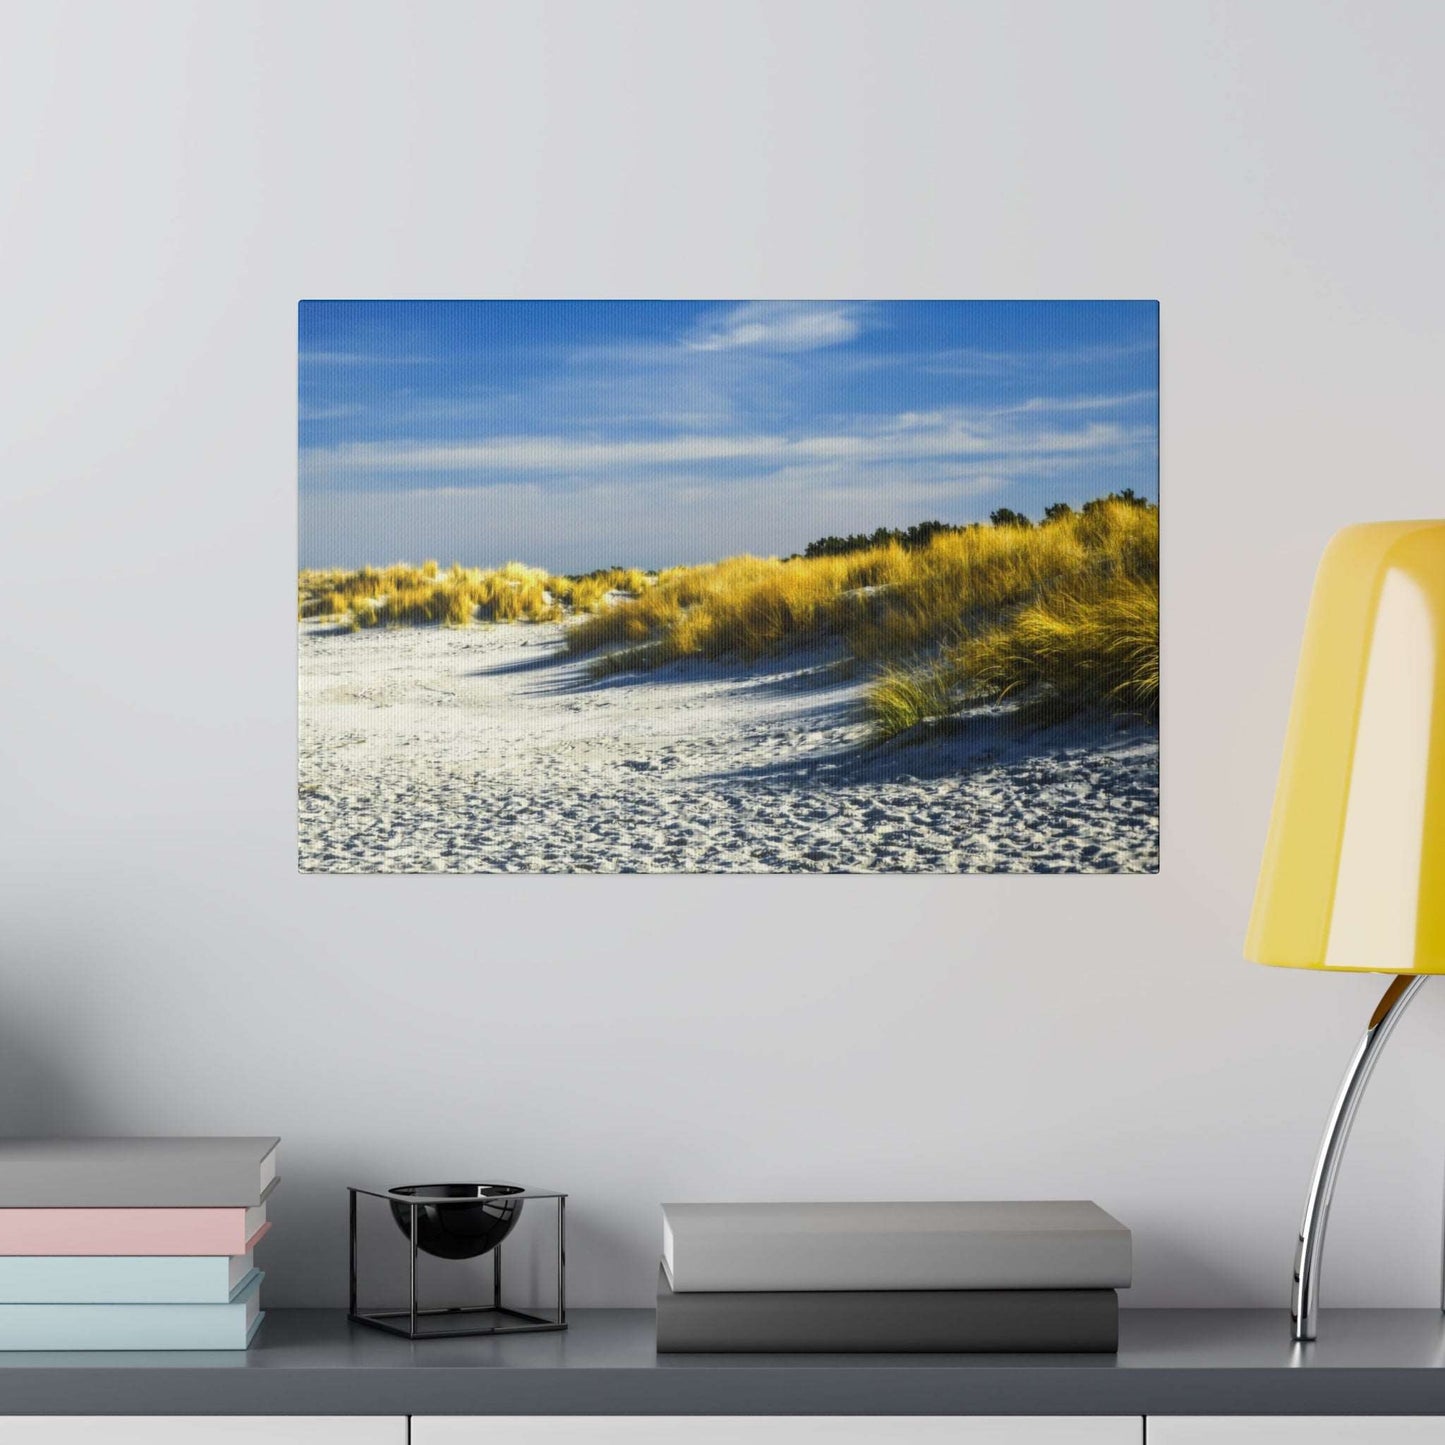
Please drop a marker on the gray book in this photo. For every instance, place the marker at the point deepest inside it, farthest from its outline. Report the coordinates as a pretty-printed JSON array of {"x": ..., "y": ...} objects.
[
  {"x": 136, "y": 1173},
  {"x": 1033, "y": 1244},
  {"x": 929, "y": 1321}
]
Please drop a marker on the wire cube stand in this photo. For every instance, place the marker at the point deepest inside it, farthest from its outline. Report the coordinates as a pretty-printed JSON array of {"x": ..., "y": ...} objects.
[{"x": 418, "y": 1322}]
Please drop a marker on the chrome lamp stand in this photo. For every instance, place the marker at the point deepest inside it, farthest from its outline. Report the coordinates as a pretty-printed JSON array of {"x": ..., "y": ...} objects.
[{"x": 1305, "y": 1297}]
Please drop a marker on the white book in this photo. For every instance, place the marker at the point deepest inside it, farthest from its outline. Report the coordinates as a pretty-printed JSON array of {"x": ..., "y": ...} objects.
[
  {"x": 1026, "y": 1244},
  {"x": 168, "y": 1173}
]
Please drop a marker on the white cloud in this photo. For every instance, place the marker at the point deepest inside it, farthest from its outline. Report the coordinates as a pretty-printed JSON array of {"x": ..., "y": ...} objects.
[
  {"x": 778, "y": 326},
  {"x": 1077, "y": 403},
  {"x": 976, "y": 361},
  {"x": 910, "y": 435},
  {"x": 539, "y": 454},
  {"x": 667, "y": 514}
]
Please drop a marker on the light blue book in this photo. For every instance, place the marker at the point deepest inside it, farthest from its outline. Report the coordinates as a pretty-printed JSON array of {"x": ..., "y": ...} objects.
[
  {"x": 130, "y": 1279},
  {"x": 135, "y": 1326}
]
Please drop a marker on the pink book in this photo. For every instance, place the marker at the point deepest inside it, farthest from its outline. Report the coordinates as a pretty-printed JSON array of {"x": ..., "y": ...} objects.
[{"x": 131, "y": 1231}]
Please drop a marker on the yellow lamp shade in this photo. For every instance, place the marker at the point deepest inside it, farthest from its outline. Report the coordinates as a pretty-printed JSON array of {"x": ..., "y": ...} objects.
[{"x": 1354, "y": 869}]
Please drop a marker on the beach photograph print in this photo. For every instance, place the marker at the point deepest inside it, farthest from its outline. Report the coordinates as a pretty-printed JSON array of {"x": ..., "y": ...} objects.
[{"x": 728, "y": 587}]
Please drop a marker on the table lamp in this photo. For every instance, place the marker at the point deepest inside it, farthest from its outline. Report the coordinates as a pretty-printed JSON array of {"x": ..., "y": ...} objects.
[{"x": 1353, "y": 876}]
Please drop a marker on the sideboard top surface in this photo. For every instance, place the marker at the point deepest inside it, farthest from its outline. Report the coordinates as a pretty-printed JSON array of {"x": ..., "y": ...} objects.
[{"x": 1177, "y": 1362}]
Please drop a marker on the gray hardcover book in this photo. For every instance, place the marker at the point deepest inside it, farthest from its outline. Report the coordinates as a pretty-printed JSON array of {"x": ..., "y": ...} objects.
[
  {"x": 1016, "y": 1321},
  {"x": 136, "y": 1173},
  {"x": 1032, "y": 1244}
]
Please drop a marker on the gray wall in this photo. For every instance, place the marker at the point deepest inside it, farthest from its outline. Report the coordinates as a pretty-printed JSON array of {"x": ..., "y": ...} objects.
[{"x": 175, "y": 177}]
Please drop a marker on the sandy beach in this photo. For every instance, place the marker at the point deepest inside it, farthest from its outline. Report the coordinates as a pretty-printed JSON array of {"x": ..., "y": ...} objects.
[{"x": 488, "y": 749}]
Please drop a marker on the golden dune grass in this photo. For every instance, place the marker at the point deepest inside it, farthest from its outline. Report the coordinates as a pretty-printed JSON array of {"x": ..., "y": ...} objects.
[
  {"x": 589, "y": 593},
  {"x": 1070, "y": 650},
  {"x": 741, "y": 607},
  {"x": 403, "y": 595},
  {"x": 1084, "y": 637},
  {"x": 1063, "y": 616}
]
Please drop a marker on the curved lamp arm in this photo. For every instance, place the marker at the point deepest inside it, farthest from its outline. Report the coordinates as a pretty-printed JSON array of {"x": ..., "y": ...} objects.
[{"x": 1305, "y": 1296}]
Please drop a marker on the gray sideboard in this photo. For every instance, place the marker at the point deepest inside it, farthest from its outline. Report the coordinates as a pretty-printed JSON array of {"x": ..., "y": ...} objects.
[{"x": 1182, "y": 1363}]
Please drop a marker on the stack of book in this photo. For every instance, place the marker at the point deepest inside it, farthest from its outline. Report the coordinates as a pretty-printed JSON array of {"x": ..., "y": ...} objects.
[
  {"x": 132, "y": 1244},
  {"x": 1007, "y": 1276}
]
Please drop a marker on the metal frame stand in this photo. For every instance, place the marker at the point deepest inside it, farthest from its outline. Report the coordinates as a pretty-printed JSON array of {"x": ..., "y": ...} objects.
[
  {"x": 447, "y": 1321},
  {"x": 1305, "y": 1296}
]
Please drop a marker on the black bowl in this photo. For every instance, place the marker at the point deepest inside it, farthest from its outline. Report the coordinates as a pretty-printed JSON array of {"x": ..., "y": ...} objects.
[{"x": 459, "y": 1231}]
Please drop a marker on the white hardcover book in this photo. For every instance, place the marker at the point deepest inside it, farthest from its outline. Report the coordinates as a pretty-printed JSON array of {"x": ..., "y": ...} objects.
[
  {"x": 1027, "y": 1244},
  {"x": 170, "y": 1173}
]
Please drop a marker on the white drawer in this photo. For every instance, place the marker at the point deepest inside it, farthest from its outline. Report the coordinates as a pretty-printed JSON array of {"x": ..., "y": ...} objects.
[
  {"x": 1296, "y": 1430},
  {"x": 203, "y": 1430},
  {"x": 776, "y": 1430}
]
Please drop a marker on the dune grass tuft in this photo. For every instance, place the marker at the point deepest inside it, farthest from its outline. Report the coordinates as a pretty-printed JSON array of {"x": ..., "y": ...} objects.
[
  {"x": 406, "y": 596},
  {"x": 1068, "y": 653},
  {"x": 741, "y": 607},
  {"x": 903, "y": 698},
  {"x": 591, "y": 591}
]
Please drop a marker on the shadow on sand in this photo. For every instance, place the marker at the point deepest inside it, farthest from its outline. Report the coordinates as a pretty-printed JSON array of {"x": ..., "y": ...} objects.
[
  {"x": 982, "y": 737},
  {"x": 549, "y": 654},
  {"x": 815, "y": 669}
]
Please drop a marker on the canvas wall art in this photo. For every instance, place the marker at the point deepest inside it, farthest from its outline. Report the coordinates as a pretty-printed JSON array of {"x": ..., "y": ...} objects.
[{"x": 729, "y": 587}]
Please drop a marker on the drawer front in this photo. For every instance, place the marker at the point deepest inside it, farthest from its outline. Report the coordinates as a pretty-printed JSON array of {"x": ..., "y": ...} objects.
[
  {"x": 776, "y": 1430},
  {"x": 1296, "y": 1430},
  {"x": 203, "y": 1430}
]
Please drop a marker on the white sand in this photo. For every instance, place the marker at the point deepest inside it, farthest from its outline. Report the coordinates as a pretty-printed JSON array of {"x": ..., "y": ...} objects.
[{"x": 489, "y": 750}]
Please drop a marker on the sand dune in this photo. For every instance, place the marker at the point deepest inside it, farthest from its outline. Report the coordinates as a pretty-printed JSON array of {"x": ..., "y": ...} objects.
[{"x": 488, "y": 750}]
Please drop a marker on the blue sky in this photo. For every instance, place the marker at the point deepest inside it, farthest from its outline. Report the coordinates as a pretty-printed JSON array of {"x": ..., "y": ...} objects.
[{"x": 575, "y": 435}]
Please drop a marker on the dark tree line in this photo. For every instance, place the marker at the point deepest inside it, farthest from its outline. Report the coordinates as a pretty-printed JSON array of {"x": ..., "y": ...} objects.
[{"x": 922, "y": 533}]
